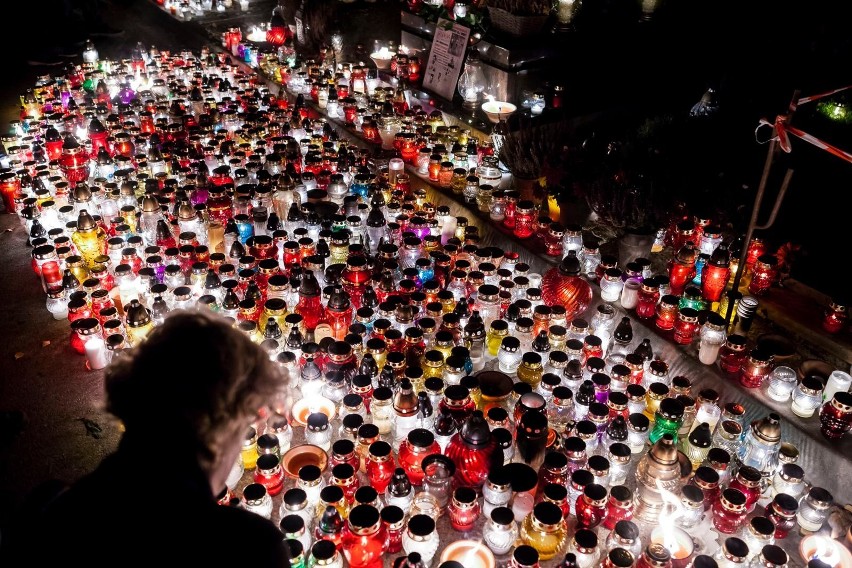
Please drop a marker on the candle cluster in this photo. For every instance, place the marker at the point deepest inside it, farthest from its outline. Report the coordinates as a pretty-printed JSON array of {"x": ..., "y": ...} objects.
[{"x": 434, "y": 379}]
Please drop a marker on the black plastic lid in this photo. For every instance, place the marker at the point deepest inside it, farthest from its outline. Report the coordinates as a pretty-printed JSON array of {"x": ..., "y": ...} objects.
[
  {"x": 343, "y": 471},
  {"x": 719, "y": 455},
  {"x": 574, "y": 444},
  {"x": 762, "y": 525},
  {"x": 497, "y": 414},
  {"x": 254, "y": 491},
  {"x": 582, "y": 477},
  {"x": 586, "y": 538},
  {"x": 421, "y": 438},
  {"x": 382, "y": 393},
  {"x": 820, "y": 495},
  {"x": 291, "y": 524},
  {"x": 736, "y": 547},
  {"x": 511, "y": 343},
  {"x": 421, "y": 525},
  {"x": 522, "y": 477},
  {"x": 749, "y": 473},
  {"x": 368, "y": 431},
  {"x": 562, "y": 393},
  {"x": 343, "y": 447},
  {"x": 598, "y": 409},
  {"x": 531, "y": 358},
  {"x": 380, "y": 448},
  {"x": 444, "y": 564},
  {"x": 267, "y": 462},
  {"x": 627, "y": 529},
  {"x": 323, "y": 549},
  {"x": 658, "y": 553},
  {"x": 586, "y": 427},
  {"x": 774, "y": 554},
  {"x": 294, "y": 547},
  {"x": 309, "y": 473},
  {"x": 620, "y": 557},
  {"x": 362, "y": 516},
  {"x": 503, "y": 437},
  {"x": 317, "y": 421},
  {"x": 555, "y": 492},
  {"x": 618, "y": 398},
  {"x": 464, "y": 495},
  {"x": 502, "y": 515},
  {"x": 704, "y": 561},
  {"x": 598, "y": 463},
  {"x": 734, "y": 496},
  {"x": 786, "y": 502},
  {"x": 556, "y": 460},
  {"x": 621, "y": 493},
  {"x": 366, "y": 494},
  {"x": 595, "y": 491},
  {"x": 693, "y": 493},
  {"x": 391, "y": 514},
  {"x": 525, "y": 555},
  {"x": 295, "y": 496},
  {"x": 331, "y": 493},
  {"x": 670, "y": 408},
  {"x": 659, "y": 389}
]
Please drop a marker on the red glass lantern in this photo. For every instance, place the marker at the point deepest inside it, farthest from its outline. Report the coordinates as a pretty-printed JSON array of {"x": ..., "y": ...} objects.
[
  {"x": 563, "y": 286},
  {"x": 682, "y": 268},
  {"x": 764, "y": 275},
  {"x": 473, "y": 449},
  {"x": 835, "y": 317},
  {"x": 364, "y": 538},
  {"x": 715, "y": 274}
]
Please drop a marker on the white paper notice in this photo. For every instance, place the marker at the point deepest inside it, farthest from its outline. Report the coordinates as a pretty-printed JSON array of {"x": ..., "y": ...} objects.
[{"x": 445, "y": 58}]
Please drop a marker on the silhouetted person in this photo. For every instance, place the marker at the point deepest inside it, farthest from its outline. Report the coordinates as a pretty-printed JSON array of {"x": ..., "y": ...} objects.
[{"x": 186, "y": 397}]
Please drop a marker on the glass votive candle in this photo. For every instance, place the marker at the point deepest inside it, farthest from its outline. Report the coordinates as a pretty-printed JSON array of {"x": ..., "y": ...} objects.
[
  {"x": 757, "y": 533},
  {"x": 500, "y": 531},
  {"x": 257, "y": 499},
  {"x": 782, "y": 511},
  {"x": 807, "y": 396},
  {"x": 619, "y": 506},
  {"x": 835, "y": 416},
  {"x": 712, "y": 336},
  {"x": 638, "y": 429},
  {"x": 630, "y": 293},
  {"x": 625, "y": 534},
  {"x": 789, "y": 479},
  {"x": 677, "y": 541},
  {"x": 464, "y": 509},
  {"x": 729, "y": 511},
  {"x": 686, "y": 326},
  {"x": 755, "y": 369},
  {"x": 667, "y": 312},
  {"x": 692, "y": 507},
  {"x": 838, "y": 381},
  {"x": 782, "y": 380},
  {"x": 611, "y": 285},
  {"x": 813, "y": 509}
]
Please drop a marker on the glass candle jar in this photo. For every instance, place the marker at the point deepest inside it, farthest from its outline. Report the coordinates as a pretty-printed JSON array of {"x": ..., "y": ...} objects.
[
  {"x": 835, "y": 416},
  {"x": 813, "y": 509},
  {"x": 421, "y": 537},
  {"x": 269, "y": 473},
  {"x": 464, "y": 509},
  {"x": 729, "y": 512},
  {"x": 712, "y": 336},
  {"x": 584, "y": 547},
  {"x": 756, "y": 533},
  {"x": 257, "y": 499},
  {"x": 648, "y": 298},
  {"x": 686, "y": 326},
  {"x": 835, "y": 317},
  {"x": 591, "y": 507},
  {"x": 544, "y": 529},
  {"x": 667, "y": 419},
  {"x": 509, "y": 355},
  {"x": 755, "y": 368},
  {"x": 438, "y": 473},
  {"x": 630, "y": 293},
  {"x": 364, "y": 539},
  {"x": 611, "y": 285},
  {"x": 500, "y": 531},
  {"x": 732, "y": 354},
  {"x": 732, "y": 554},
  {"x": 789, "y": 479},
  {"x": 763, "y": 275},
  {"x": 807, "y": 396},
  {"x": 692, "y": 507},
  {"x": 524, "y": 219},
  {"x": 780, "y": 383},
  {"x": 380, "y": 465},
  {"x": 782, "y": 512}
]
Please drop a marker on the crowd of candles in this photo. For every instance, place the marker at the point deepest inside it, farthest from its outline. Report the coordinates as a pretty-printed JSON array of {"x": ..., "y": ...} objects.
[{"x": 432, "y": 378}]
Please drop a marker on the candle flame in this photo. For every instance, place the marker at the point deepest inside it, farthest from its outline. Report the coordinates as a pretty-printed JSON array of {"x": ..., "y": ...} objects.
[
  {"x": 671, "y": 511},
  {"x": 826, "y": 551}
]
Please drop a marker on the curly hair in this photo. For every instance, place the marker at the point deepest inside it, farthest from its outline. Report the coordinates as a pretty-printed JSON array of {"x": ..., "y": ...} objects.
[{"x": 195, "y": 375}]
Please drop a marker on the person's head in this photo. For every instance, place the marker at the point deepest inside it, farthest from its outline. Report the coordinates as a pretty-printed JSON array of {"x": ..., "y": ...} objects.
[{"x": 197, "y": 379}]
